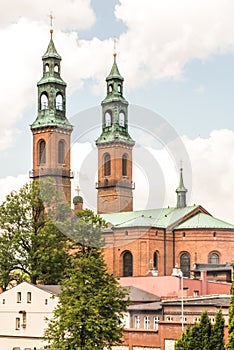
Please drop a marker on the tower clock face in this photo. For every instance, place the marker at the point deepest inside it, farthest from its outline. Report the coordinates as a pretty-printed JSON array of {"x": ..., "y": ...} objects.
[
  {"x": 121, "y": 119},
  {"x": 107, "y": 119}
]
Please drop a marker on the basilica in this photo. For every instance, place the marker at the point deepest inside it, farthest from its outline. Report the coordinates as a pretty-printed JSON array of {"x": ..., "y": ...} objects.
[{"x": 137, "y": 243}]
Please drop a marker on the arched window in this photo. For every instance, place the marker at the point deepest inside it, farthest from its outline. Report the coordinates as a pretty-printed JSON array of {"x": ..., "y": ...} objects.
[
  {"x": 124, "y": 164},
  {"x": 42, "y": 151},
  {"x": 119, "y": 88},
  {"x": 61, "y": 152},
  {"x": 155, "y": 260},
  {"x": 59, "y": 102},
  {"x": 56, "y": 68},
  {"x": 110, "y": 88},
  {"x": 121, "y": 119},
  {"x": 44, "y": 101},
  {"x": 107, "y": 164},
  {"x": 107, "y": 119},
  {"x": 47, "y": 68},
  {"x": 127, "y": 264},
  {"x": 185, "y": 264},
  {"x": 213, "y": 258}
]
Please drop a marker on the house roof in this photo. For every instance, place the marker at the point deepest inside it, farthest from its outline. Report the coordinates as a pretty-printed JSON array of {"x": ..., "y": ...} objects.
[
  {"x": 146, "y": 306},
  {"x": 202, "y": 220},
  {"x": 53, "y": 289},
  {"x": 221, "y": 300},
  {"x": 161, "y": 218},
  {"x": 177, "y": 218},
  {"x": 139, "y": 295}
]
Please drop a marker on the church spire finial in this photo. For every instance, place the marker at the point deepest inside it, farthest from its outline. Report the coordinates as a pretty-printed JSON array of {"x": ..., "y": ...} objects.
[
  {"x": 115, "y": 44},
  {"x": 51, "y": 24},
  {"x": 181, "y": 190}
]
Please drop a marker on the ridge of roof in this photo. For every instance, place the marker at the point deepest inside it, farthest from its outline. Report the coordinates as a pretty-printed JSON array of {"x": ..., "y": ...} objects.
[
  {"x": 202, "y": 220},
  {"x": 160, "y": 217}
]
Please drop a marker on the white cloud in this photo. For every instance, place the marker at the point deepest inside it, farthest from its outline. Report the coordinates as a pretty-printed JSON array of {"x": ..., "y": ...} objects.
[
  {"x": 162, "y": 36},
  {"x": 69, "y": 14},
  {"x": 11, "y": 183}
]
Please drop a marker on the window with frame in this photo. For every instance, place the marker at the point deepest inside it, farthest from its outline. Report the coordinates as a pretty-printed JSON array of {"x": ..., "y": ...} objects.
[
  {"x": 42, "y": 151},
  {"x": 61, "y": 152},
  {"x": 156, "y": 319},
  {"x": 124, "y": 164},
  {"x": 155, "y": 260},
  {"x": 127, "y": 264},
  {"x": 137, "y": 322},
  {"x": 146, "y": 322},
  {"x": 185, "y": 264},
  {"x": 59, "y": 102},
  {"x": 213, "y": 258},
  {"x": 29, "y": 297},
  {"x": 44, "y": 101},
  {"x": 169, "y": 318},
  {"x": 107, "y": 164},
  {"x": 19, "y": 296},
  {"x": 17, "y": 323}
]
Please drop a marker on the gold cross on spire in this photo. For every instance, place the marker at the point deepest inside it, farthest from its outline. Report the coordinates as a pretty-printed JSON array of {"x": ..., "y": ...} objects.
[
  {"x": 77, "y": 190},
  {"x": 51, "y": 23},
  {"x": 181, "y": 164},
  {"x": 115, "y": 44}
]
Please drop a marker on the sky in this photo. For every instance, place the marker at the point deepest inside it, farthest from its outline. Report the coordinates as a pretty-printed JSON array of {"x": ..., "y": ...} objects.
[{"x": 177, "y": 60}]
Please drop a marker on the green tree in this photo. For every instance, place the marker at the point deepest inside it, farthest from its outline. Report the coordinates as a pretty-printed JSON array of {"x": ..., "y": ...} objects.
[
  {"x": 217, "y": 334},
  {"x": 202, "y": 336},
  {"x": 230, "y": 344},
  {"x": 91, "y": 304},
  {"x": 34, "y": 244}
]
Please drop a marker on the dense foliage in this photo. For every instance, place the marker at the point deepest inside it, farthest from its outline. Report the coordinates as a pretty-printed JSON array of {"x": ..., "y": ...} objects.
[
  {"x": 31, "y": 246},
  {"x": 91, "y": 304},
  {"x": 203, "y": 335}
]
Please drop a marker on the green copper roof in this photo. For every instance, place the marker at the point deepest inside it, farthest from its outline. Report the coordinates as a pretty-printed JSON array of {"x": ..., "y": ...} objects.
[
  {"x": 202, "y": 220},
  {"x": 114, "y": 73},
  {"x": 161, "y": 218},
  {"x": 50, "y": 119},
  {"x": 115, "y": 136},
  {"x": 51, "y": 51}
]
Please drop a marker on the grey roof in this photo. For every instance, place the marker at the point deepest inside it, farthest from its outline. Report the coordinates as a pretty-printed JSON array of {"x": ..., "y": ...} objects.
[
  {"x": 221, "y": 300},
  {"x": 51, "y": 288},
  {"x": 212, "y": 267},
  {"x": 139, "y": 295},
  {"x": 147, "y": 306}
]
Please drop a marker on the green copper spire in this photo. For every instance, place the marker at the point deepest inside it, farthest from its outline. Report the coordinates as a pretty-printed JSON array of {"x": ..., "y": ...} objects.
[
  {"x": 51, "y": 92},
  {"x": 181, "y": 192},
  {"x": 115, "y": 110}
]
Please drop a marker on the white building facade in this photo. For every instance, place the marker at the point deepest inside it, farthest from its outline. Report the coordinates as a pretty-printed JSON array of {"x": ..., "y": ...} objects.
[{"x": 23, "y": 313}]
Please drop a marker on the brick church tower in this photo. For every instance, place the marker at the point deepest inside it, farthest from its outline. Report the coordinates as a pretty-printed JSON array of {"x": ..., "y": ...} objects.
[
  {"x": 51, "y": 129},
  {"x": 115, "y": 146}
]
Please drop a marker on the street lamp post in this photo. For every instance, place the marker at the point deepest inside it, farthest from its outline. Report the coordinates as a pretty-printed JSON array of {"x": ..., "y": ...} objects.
[{"x": 177, "y": 272}]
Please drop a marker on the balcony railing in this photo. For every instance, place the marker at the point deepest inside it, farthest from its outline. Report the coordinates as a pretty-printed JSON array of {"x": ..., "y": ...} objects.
[
  {"x": 51, "y": 172},
  {"x": 115, "y": 183}
]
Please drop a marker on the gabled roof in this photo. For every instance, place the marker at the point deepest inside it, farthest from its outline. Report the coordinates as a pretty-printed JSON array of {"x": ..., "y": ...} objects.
[
  {"x": 53, "y": 289},
  {"x": 139, "y": 295},
  {"x": 147, "y": 306},
  {"x": 202, "y": 220},
  {"x": 159, "y": 218}
]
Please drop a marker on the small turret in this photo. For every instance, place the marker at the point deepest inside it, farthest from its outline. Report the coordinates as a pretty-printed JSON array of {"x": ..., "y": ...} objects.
[{"x": 181, "y": 192}]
